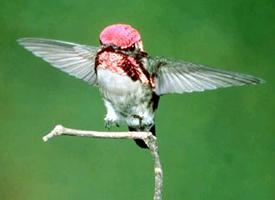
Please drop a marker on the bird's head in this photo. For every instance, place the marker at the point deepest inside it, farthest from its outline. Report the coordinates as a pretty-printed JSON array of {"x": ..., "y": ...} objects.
[{"x": 121, "y": 36}]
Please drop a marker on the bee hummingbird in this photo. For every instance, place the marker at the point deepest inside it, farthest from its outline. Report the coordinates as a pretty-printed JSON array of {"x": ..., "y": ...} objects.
[{"x": 130, "y": 81}]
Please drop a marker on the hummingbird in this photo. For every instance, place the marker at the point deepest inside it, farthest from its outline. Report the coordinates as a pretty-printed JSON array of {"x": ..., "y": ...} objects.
[{"x": 130, "y": 81}]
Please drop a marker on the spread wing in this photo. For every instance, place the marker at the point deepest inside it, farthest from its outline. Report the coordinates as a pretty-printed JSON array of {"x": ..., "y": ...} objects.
[
  {"x": 75, "y": 59},
  {"x": 180, "y": 77}
]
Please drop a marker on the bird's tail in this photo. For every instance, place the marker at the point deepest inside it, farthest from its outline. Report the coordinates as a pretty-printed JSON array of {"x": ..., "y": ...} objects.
[{"x": 140, "y": 142}]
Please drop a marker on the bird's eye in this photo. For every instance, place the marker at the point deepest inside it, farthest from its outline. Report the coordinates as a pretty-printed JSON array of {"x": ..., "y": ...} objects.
[{"x": 132, "y": 48}]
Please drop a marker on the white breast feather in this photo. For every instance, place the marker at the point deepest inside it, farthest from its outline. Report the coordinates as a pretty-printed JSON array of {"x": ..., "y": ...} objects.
[{"x": 128, "y": 98}]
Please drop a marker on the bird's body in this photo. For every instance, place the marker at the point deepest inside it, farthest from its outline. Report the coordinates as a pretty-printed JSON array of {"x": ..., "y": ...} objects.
[
  {"x": 125, "y": 100},
  {"x": 126, "y": 89},
  {"x": 129, "y": 80}
]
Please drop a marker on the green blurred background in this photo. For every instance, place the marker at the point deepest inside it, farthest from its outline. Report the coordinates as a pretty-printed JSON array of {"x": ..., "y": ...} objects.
[{"x": 213, "y": 145}]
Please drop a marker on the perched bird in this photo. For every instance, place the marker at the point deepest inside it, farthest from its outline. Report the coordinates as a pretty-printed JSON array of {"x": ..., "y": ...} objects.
[{"x": 130, "y": 81}]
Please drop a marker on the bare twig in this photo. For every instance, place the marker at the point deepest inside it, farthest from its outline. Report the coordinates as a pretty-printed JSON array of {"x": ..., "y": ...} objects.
[{"x": 147, "y": 137}]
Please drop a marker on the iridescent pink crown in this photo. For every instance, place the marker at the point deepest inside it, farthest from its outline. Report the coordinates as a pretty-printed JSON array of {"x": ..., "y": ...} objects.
[{"x": 121, "y": 35}]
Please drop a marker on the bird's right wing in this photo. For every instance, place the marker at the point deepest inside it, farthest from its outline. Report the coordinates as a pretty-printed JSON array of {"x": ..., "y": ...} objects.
[{"x": 75, "y": 59}]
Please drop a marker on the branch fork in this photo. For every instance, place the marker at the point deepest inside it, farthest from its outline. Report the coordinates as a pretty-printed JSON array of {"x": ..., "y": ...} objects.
[{"x": 147, "y": 137}]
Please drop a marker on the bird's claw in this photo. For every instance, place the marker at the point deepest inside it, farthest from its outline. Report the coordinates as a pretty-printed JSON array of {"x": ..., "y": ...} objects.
[{"x": 110, "y": 123}]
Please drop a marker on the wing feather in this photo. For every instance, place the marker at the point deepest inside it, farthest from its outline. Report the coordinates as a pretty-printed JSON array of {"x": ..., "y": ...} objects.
[
  {"x": 180, "y": 76},
  {"x": 75, "y": 59}
]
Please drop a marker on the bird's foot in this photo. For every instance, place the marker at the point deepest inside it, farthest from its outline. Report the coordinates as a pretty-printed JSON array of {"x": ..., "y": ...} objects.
[{"x": 109, "y": 122}]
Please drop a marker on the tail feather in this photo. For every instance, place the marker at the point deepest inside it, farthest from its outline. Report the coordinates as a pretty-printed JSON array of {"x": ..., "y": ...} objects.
[{"x": 140, "y": 142}]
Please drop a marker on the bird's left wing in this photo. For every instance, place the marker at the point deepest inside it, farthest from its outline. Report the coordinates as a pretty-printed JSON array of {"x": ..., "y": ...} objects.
[
  {"x": 75, "y": 59},
  {"x": 180, "y": 76}
]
